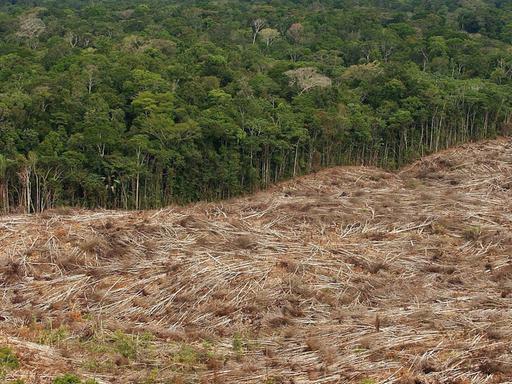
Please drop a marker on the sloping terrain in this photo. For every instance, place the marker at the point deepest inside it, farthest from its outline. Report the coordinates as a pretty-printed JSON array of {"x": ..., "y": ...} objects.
[{"x": 350, "y": 275}]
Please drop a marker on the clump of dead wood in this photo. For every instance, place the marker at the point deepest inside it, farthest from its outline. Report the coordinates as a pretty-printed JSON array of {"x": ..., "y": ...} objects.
[{"x": 348, "y": 275}]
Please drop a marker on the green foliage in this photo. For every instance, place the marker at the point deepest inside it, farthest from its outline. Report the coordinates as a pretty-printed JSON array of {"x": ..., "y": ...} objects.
[
  {"x": 129, "y": 345},
  {"x": 472, "y": 233},
  {"x": 69, "y": 378},
  {"x": 125, "y": 344},
  {"x": 239, "y": 345},
  {"x": 187, "y": 355},
  {"x": 152, "y": 377},
  {"x": 8, "y": 360},
  {"x": 53, "y": 336},
  {"x": 125, "y": 105}
]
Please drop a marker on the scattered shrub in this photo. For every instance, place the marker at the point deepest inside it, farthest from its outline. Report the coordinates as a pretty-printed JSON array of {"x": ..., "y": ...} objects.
[
  {"x": 8, "y": 359},
  {"x": 69, "y": 378},
  {"x": 472, "y": 233},
  {"x": 187, "y": 355},
  {"x": 53, "y": 336},
  {"x": 125, "y": 344},
  {"x": 239, "y": 344}
]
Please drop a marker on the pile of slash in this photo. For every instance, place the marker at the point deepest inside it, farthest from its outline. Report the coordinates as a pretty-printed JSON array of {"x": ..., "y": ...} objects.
[{"x": 349, "y": 275}]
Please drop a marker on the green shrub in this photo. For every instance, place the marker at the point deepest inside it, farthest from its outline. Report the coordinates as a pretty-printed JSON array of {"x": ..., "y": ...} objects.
[
  {"x": 187, "y": 355},
  {"x": 69, "y": 378},
  {"x": 125, "y": 344},
  {"x": 8, "y": 359},
  {"x": 53, "y": 336},
  {"x": 238, "y": 344},
  {"x": 472, "y": 233}
]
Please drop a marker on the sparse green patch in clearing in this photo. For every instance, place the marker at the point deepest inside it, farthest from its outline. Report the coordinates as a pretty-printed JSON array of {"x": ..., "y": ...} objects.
[
  {"x": 52, "y": 336},
  {"x": 8, "y": 359},
  {"x": 69, "y": 378}
]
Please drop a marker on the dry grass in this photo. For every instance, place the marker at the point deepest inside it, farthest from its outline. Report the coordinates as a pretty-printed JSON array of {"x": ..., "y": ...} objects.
[{"x": 350, "y": 275}]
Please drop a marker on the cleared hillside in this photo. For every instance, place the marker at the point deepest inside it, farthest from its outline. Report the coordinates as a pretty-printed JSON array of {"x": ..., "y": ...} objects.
[{"x": 350, "y": 275}]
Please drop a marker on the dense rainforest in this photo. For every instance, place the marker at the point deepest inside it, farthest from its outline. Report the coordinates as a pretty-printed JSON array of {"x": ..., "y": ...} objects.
[{"x": 142, "y": 103}]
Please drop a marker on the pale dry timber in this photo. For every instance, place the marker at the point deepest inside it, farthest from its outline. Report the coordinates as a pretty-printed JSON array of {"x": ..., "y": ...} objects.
[{"x": 350, "y": 275}]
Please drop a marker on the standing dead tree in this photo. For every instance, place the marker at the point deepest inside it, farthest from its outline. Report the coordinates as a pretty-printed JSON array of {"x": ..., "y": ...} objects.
[
  {"x": 31, "y": 27},
  {"x": 257, "y": 26},
  {"x": 307, "y": 78}
]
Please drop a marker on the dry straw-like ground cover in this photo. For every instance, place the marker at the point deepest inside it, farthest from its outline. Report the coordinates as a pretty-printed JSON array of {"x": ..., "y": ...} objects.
[{"x": 350, "y": 275}]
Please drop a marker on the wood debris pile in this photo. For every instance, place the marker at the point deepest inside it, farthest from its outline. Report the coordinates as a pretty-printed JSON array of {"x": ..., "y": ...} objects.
[{"x": 349, "y": 275}]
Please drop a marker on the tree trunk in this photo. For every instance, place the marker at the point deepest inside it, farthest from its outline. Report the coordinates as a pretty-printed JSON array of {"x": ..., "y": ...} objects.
[{"x": 295, "y": 159}]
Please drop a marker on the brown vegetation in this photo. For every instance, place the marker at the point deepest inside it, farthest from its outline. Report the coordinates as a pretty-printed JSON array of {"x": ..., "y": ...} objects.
[{"x": 350, "y": 275}]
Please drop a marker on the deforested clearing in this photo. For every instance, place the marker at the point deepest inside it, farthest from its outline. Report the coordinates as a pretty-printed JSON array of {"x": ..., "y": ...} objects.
[{"x": 349, "y": 275}]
